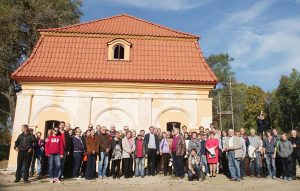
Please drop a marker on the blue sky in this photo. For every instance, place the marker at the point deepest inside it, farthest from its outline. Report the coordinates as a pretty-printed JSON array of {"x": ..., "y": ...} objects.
[{"x": 262, "y": 36}]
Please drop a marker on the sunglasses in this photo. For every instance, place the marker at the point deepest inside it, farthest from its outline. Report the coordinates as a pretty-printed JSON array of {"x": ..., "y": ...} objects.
[
  {"x": 55, "y": 130},
  {"x": 126, "y": 129}
]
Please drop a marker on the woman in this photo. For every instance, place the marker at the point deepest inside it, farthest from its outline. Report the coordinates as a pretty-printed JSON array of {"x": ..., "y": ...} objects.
[
  {"x": 54, "y": 149},
  {"x": 195, "y": 167},
  {"x": 212, "y": 145},
  {"x": 186, "y": 156},
  {"x": 116, "y": 155},
  {"x": 269, "y": 144},
  {"x": 222, "y": 153},
  {"x": 165, "y": 151},
  {"x": 77, "y": 153},
  {"x": 127, "y": 155},
  {"x": 92, "y": 150}
]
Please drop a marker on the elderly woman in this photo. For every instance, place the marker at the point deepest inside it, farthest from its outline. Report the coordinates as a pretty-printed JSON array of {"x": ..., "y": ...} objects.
[
  {"x": 128, "y": 146},
  {"x": 212, "y": 145}
]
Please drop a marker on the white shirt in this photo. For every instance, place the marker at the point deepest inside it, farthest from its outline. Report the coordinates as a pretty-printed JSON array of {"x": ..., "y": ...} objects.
[{"x": 151, "y": 144}]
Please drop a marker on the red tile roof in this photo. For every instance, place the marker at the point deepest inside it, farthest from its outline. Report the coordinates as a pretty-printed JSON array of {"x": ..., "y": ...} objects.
[
  {"x": 122, "y": 25},
  {"x": 72, "y": 57}
]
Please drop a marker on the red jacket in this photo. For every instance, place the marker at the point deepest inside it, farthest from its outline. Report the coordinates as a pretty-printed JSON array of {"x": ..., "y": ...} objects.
[{"x": 54, "y": 145}]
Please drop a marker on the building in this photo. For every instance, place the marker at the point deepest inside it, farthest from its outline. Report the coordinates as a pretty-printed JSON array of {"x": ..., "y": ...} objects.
[{"x": 119, "y": 70}]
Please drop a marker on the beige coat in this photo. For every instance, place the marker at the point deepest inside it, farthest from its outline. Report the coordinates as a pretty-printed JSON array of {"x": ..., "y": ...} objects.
[
  {"x": 237, "y": 146},
  {"x": 127, "y": 148}
]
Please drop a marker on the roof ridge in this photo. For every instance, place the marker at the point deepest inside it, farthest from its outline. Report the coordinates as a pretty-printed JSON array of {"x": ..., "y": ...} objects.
[
  {"x": 81, "y": 23},
  {"x": 59, "y": 29}
]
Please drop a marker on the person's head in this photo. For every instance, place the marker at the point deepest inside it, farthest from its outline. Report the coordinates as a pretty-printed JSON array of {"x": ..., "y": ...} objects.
[
  {"x": 193, "y": 152},
  {"x": 90, "y": 126},
  {"x": 164, "y": 135},
  {"x": 68, "y": 126},
  {"x": 103, "y": 129},
  {"x": 186, "y": 135},
  {"x": 238, "y": 133},
  {"x": 155, "y": 131},
  {"x": 118, "y": 134},
  {"x": 223, "y": 133},
  {"x": 269, "y": 133},
  {"x": 275, "y": 132},
  {"x": 184, "y": 128},
  {"x": 158, "y": 131},
  {"x": 55, "y": 130},
  {"x": 206, "y": 130},
  {"x": 151, "y": 129},
  {"x": 204, "y": 136},
  {"x": 49, "y": 132},
  {"x": 78, "y": 132},
  {"x": 230, "y": 132},
  {"x": 71, "y": 132},
  {"x": 213, "y": 129},
  {"x": 176, "y": 130},
  {"x": 212, "y": 134},
  {"x": 31, "y": 130},
  {"x": 199, "y": 136},
  {"x": 129, "y": 134},
  {"x": 142, "y": 132},
  {"x": 38, "y": 135},
  {"x": 25, "y": 128},
  {"x": 168, "y": 133},
  {"x": 283, "y": 137},
  {"x": 201, "y": 129},
  {"x": 98, "y": 127},
  {"x": 92, "y": 132},
  {"x": 194, "y": 135},
  {"x": 62, "y": 125},
  {"x": 133, "y": 132},
  {"x": 293, "y": 133},
  {"x": 125, "y": 129},
  {"x": 252, "y": 132},
  {"x": 242, "y": 131},
  {"x": 139, "y": 136},
  {"x": 112, "y": 127}
]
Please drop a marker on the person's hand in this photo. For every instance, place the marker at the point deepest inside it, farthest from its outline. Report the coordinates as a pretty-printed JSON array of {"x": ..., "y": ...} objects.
[
  {"x": 68, "y": 153},
  {"x": 61, "y": 156},
  {"x": 107, "y": 150},
  {"x": 160, "y": 153},
  {"x": 146, "y": 156},
  {"x": 17, "y": 149},
  {"x": 93, "y": 152},
  {"x": 29, "y": 150},
  {"x": 294, "y": 145},
  {"x": 157, "y": 152},
  {"x": 193, "y": 172}
]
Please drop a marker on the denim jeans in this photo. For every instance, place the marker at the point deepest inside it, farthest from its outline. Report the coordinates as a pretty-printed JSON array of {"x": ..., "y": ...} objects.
[
  {"x": 255, "y": 165},
  {"x": 140, "y": 166},
  {"x": 62, "y": 165},
  {"x": 234, "y": 165},
  {"x": 54, "y": 165},
  {"x": 77, "y": 159},
  {"x": 103, "y": 159},
  {"x": 37, "y": 157},
  {"x": 271, "y": 164},
  {"x": 199, "y": 174},
  {"x": 204, "y": 160}
]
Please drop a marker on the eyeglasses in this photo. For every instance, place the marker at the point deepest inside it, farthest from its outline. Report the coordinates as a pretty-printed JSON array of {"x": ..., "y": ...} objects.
[
  {"x": 126, "y": 129},
  {"x": 55, "y": 130}
]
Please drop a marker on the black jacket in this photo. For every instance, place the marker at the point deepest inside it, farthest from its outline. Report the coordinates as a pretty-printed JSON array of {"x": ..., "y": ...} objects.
[
  {"x": 147, "y": 137},
  {"x": 296, "y": 141},
  {"x": 26, "y": 141}
]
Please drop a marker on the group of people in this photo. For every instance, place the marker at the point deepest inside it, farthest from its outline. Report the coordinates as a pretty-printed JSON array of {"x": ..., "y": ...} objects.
[{"x": 101, "y": 152}]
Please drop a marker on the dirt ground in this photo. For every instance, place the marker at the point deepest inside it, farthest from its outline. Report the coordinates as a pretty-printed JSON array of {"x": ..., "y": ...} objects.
[{"x": 159, "y": 182}]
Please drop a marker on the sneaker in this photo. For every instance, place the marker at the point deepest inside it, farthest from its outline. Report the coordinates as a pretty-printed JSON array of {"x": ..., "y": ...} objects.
[
  {"x": 238, "y": 180},
  {"x": 51, "y": 180},
  {"x": 274, "y": 177},
  {"x": 290, "y": 179},
  {"x": 285, "y": 178},
  {"x": 56, "y": 180},
  {"x": 26, "y": 181},
  {"x": 16, "y": 181}
]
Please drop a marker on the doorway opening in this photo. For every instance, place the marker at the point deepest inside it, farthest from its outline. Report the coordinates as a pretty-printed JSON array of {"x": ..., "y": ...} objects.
[
  {"x": 49, "y": 125},
  {"x": 171, "y": 125}
]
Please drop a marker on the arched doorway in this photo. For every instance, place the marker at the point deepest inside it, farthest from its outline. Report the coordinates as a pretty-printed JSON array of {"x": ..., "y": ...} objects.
[
  {"x": 49, "y": 125},
  {"x": 173, "y": 117},
  {"x": 172, "y": 125}
]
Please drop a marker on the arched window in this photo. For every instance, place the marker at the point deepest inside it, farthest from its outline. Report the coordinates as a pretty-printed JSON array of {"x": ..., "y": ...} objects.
[{"x": 119, "y": 52}]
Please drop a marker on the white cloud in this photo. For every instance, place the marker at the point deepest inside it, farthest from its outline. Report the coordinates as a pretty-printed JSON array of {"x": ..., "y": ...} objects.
[{"x": 173, "y": 5}]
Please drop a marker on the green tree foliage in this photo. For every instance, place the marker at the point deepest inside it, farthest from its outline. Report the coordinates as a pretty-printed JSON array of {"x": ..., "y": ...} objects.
[
  {"x": 284, "y": 102},
  {"x": 19, "y": 24}
]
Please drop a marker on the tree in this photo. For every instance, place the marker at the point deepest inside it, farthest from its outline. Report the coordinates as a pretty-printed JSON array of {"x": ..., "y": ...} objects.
[{"x": 19, "y": 24}]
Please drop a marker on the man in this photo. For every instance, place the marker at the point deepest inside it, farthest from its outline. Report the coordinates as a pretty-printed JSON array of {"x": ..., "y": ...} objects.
[
  {"x": 158, "y": 160},
  {"x": 152, "y": 149},
  {"x": 125, "y": 130},
  {"x": 277, "y": 159},
  {"x": 246, "y": 159},
  {"x": 112, "y": 133},
  {"x": 105, "y": 146},
  {"x": 269, "y": 145},
  {"x": 66, "y": 143},
  {"x": 233, "y": 146},
  {"x": 178, "y": 152},
  {"x": 24, "y": 145},
  {"x": 254, "y": 153},
  {"x": 244, "y": 149},
  {"x": 184, "y": 130},
  {"x": 295, "y": 140},
  {"x": 142, "y": 132},
  {"x": 285, "y": 150}
]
